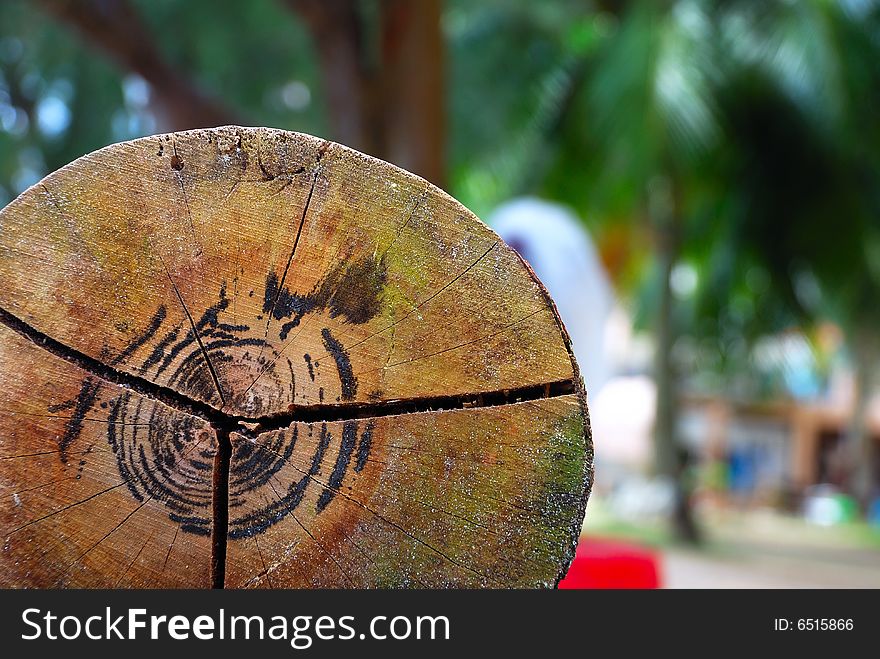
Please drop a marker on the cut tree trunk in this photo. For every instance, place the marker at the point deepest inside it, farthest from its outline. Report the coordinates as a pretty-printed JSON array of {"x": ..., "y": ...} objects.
[{"x": 251, "y": 358}]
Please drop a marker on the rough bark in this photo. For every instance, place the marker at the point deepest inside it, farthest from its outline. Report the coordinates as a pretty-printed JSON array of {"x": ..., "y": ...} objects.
[{"x": 254, "y": 358}]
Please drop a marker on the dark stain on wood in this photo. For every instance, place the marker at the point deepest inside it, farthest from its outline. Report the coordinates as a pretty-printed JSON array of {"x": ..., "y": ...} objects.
[
  {"x": 343, "y": 365},
  {"x": 352, "y": 291}
]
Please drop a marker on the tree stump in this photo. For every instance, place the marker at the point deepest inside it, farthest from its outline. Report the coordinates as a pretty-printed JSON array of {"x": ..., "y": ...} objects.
[{"x": 252, "y": 358}]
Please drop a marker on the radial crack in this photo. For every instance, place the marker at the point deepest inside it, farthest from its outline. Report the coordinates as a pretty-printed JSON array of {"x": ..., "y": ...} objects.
[
  {"x": 220, "y": 507},
  {"x": 198, "y": 338},
  {"x": 302, "y": 221}
]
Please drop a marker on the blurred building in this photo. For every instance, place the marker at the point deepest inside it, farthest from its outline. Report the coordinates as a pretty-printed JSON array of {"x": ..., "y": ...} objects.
[{"x": 775, "y": 449}]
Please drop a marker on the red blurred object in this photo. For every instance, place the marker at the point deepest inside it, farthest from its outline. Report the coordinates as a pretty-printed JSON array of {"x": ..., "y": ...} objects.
[{"x": 600, "y": 563}]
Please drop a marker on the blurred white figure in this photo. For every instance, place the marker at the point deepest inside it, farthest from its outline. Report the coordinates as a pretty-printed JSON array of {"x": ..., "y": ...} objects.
[
  {"x": 556, "y": 245},
  {"x": 622, "y": 418}
]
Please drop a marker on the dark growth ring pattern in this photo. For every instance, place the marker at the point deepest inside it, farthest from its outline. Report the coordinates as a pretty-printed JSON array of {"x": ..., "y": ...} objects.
[
  {"x": 168, "y": 457},
  {"x": 258, "y": 465},
  {"x": 168, "y": 461}
]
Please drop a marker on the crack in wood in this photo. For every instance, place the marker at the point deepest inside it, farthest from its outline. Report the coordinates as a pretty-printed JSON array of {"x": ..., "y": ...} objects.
[
  {"x": 327, "y": 412},
  {"x": 197, "y": 337},
  {"x": 224, "y": 424},
  {"x": 306, "y": 323},
  {"x": 302, "y": 222},
  {"x": 177, "y": 165},
  {"x": 220, "y": 507}
]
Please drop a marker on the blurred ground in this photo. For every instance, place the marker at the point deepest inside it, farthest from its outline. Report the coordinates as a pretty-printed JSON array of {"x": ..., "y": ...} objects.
[{"x": 755, "y": 549}]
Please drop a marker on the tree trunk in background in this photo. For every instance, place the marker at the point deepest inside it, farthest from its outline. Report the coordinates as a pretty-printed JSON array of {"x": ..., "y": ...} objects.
[
  {"x": 388, "y": 103},
  {"x": 414, "y": 112},
  {"x": 671, "y": 460},
  {"x": 337, "y": 31},
  {"x": 665, "y": 423},
  {"x": 115, "y": 27},
  {"x": 860, "y": 439}
]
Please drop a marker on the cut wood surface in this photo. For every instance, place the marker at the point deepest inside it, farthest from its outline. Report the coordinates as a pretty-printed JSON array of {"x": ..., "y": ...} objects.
[{"x": 251, "y": 358}]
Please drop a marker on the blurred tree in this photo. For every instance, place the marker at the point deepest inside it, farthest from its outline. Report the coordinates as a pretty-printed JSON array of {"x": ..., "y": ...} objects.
[
  {"x": 654, "y": 111},
  {"x": 383, "y": 74},
  {"x": 60, "y": 99},
  {"x": 381, "y": 66},
  {"x": 796, "y": 188},
  {"x": 647, "y": 119},
  {"x": 115, "y": 27},
  {"x": 741, "y": 133}
]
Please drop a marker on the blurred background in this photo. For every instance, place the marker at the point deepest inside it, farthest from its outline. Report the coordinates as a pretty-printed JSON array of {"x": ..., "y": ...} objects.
[{"x": 697, "y": 183}]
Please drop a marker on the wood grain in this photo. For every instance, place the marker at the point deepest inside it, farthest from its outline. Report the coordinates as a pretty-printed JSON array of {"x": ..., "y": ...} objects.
[
  {"x": 381, "y": 385},
  {"x": 438, "y": 499}
]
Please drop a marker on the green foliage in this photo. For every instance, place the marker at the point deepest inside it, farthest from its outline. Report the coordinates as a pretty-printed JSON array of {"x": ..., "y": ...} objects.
[
  {"x": 796, "y": 187},
  {"x": 759, "y": 115}
]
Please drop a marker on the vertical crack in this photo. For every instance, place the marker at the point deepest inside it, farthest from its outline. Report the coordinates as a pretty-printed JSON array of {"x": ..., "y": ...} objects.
[
  {"x": 220, "y": 507},
  {"x": 302, "y": 221},
  {"x": 198, "y": 338}
]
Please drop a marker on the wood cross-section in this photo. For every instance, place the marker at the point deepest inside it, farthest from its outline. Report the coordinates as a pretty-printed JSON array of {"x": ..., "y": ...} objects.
[{"x": 248, "y": 357}]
